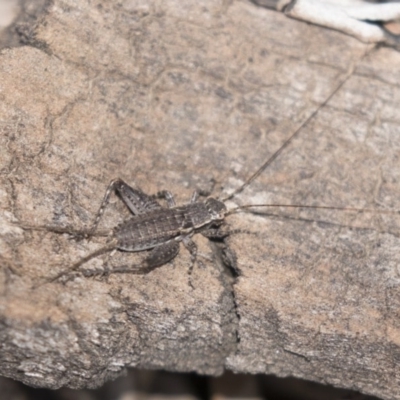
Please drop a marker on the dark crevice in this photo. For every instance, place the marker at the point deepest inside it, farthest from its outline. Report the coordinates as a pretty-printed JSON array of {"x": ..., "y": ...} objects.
[{"x": 227, "y": 260}]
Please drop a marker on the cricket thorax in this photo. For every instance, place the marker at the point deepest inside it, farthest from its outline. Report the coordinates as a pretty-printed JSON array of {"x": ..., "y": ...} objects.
[{"x": 206, "y": 213}]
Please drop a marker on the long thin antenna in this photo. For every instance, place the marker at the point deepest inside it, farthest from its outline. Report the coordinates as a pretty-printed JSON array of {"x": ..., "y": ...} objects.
[
  {"x": 296, "y": 132},
  {"x": 352, "y": 209}
]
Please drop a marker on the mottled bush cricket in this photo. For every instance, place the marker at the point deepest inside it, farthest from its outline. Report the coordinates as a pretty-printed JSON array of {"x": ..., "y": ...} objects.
[{"x": 160, "y": 230}]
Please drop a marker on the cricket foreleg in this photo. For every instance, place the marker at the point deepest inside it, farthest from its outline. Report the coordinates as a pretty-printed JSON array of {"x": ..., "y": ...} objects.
[
  {"x": 222, "y": 232},
  {"x": 217, "y": 233}
]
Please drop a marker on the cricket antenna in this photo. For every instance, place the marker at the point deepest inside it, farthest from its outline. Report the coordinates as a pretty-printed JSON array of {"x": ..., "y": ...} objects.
[
  {"x": 235, "y": 210},
  {"x": 296, "y": 132}
]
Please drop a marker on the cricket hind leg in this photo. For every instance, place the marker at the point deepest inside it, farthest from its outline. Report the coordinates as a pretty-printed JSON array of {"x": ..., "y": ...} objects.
[
  {"x": 162, "y": 254},
  {"x": 158, "y": 256},
  {"x": 112, "y": 245},
  {"x": 136, "y": 201}
]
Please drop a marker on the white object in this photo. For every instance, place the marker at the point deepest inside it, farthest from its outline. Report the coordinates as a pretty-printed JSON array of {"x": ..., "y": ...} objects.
[{"x": 349, "y": 16}]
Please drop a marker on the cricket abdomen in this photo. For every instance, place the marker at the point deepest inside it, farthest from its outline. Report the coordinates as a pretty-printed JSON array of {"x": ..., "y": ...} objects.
[{"x": 148, "y": 230}]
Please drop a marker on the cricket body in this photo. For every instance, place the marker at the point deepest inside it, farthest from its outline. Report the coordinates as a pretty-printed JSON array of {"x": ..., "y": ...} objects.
[
  {"x": 160, "y": 229},
  {"x": 157, "y": 228}
]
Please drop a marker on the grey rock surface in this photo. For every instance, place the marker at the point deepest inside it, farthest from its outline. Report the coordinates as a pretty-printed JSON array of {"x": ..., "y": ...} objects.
[{"x": 179, "y": 96}]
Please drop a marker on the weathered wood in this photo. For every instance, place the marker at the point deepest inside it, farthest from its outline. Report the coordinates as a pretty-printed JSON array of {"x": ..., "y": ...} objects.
[{"x": 173, "y": 96}]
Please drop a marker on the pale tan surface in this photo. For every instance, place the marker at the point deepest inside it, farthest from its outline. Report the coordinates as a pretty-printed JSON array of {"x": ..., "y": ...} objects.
[
  {"x": 8, "y": 11},
  {"x": 171, "y": 97}
]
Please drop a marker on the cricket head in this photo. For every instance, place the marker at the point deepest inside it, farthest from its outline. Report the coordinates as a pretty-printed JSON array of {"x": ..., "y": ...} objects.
[{"x": 216, "y": 209}]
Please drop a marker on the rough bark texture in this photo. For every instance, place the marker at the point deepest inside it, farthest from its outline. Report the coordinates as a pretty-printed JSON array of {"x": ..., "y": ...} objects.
[{"x": 173, "y": 95}]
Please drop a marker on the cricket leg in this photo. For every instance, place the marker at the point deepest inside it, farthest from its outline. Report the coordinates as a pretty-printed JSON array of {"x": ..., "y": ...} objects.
[
  {"x": 136, "y": 201},
  {"x": 191, "y": 246},
  {"x": 195, "y": 197},
  {"x": 74, "y": 233},
  {"x": 109, "y": 247},
  {"x": 199, "y": 192},
  {"x": 219, "y": 233},
  {"x": 106, "y": 199},
  {"x": 222, "y": 232},
  {"x": 167, "y": 196},
  {"x": 162, "y": 254},
  {"x": 159, "y": 256}
]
